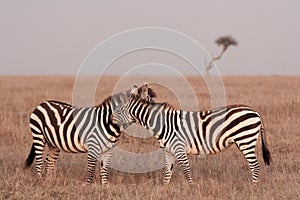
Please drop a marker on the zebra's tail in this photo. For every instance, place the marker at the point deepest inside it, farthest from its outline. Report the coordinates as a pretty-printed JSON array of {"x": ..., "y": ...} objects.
[
  {"x": 265, "y": 151},
  {"x": 30, "y": 158}
]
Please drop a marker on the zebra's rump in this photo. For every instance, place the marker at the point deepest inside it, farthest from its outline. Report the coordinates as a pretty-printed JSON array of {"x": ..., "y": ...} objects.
[
  {"x": 231, "y": 125},
  {"x": 63, "y": 126},
  {"x": 212, "y": 131}
]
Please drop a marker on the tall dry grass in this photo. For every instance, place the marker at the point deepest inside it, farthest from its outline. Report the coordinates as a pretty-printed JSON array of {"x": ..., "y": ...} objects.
[{"x": 222, "y": 176}]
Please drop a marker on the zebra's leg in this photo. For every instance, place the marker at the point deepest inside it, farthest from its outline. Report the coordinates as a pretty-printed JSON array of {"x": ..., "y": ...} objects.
[
  {"x": 169, "y": 162},
  {"x": 249, "y": 153},
  {"x": 94, "y": 150},
  {"x": 51, "y": 160},
  {"x": 92, "y": 162},
  {"x": 39, "y": 144},
  {"x": 92, "y": 157},
  {"x": 253, "y": 165},
  {"x": 105, "y": 158},
  {"x": 39, "y": 147},
  {"x": 181, "y": 156}
]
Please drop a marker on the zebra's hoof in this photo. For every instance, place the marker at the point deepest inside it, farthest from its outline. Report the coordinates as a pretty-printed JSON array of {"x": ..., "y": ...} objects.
[
  {"x": 86, "y": 184},
  {"x": 191, "y": 182},
  {"x": 104, "y": 183},
  {"x": 166, "y": 182}
]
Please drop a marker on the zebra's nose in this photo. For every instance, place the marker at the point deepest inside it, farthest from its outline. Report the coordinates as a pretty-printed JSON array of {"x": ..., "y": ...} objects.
[{"x": 113, "y": 119}]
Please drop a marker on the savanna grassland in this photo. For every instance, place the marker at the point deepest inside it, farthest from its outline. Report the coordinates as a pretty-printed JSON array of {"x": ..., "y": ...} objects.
[{"x": 222, "y": 176}]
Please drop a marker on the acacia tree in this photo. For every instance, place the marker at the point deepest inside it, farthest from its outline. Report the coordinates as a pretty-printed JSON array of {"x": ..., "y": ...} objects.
[{"x": 224, "y": 42}]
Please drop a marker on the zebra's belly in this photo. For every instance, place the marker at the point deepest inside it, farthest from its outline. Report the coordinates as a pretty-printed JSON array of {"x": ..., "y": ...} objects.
[
  {"x": 204, "y": 149},
  {"x": 65, "y": 141}
]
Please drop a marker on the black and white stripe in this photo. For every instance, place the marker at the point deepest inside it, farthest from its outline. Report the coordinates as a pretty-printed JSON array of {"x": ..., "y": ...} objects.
[
  {"x": 182, "y": 132},
  {"x": 64, "y": 127}
]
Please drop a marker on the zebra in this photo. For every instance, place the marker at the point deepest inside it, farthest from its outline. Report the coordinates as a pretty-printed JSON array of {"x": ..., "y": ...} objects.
[
  {"x": 200, "y": 133},
  {"x": 64, "y": 127}
]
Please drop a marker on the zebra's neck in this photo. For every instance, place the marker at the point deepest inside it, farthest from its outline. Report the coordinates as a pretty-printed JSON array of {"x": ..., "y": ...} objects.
[
  {"x": 153, "y": 116},
  {"x": 106, "y": 108},
  {"x": 116, "y": 100}
]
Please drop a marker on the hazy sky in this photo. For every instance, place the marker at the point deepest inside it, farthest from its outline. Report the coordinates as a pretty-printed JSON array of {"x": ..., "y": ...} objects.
[{"x": 54, "y": 37}]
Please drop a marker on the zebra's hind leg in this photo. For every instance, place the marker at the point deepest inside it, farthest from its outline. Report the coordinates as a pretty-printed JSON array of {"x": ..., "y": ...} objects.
[
  {"x": 169, "y": 162},
  {"x": 181, "y": 156},
  {"x": 39, "y": 147},
  {"x": 105, "y": 158},
  {"x": 51, "y": 160},
  {"x": 249, "y": 153}
]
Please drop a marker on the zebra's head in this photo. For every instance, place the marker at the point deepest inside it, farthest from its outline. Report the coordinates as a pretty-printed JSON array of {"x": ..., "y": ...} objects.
[
  {"x": 122, "y": 116},
  {"x": 143, "y": 92}
]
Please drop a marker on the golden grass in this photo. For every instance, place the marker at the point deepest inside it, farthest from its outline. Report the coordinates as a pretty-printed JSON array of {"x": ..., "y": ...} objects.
[{"x": 222, "y": 176}]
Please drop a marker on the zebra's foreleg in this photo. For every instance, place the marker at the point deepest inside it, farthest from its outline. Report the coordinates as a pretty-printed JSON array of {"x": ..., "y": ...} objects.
[
  {"x": 93, "y": 156},
  {"x": 181, "y": 156},
  {"x": 92, "y": 162},
  {"x": 169, "y": 162},
  {"x": 51, "y": 160},
  {"x": 105, "y": 157}
]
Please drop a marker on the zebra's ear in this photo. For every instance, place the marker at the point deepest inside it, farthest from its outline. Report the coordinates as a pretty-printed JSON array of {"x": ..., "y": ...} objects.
[
  {"x": 148, "y": 92},
  {"x": 134, "y": 90},
  {"x": 143, "y": 91}
]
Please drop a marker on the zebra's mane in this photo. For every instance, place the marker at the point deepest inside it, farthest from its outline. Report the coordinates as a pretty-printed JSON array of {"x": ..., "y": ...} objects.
[
  {"x": 109, "y": 99},
  {"x": 122, "y": 95},
  {"x": 151, "y": 92},
  {"x": 168, "y": 105},
  {"x": 145, "y": 101}
]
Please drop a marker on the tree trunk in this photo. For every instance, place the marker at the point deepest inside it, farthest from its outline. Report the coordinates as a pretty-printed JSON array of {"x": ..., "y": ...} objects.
[{"x": 209, "y": 66}]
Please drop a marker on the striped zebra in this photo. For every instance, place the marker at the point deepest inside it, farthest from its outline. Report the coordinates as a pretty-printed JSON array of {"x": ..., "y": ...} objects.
[
  {"x": 182, "y": 132},
  {"x": 64, "y": 127}
]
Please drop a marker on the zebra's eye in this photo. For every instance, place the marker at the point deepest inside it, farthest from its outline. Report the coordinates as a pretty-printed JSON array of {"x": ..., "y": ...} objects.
[{"x": 118, "y": 111}]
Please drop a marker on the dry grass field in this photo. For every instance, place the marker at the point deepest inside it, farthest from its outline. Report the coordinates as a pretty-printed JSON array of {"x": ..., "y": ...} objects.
[{"x": 222, "y": 176}]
